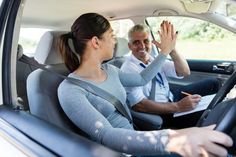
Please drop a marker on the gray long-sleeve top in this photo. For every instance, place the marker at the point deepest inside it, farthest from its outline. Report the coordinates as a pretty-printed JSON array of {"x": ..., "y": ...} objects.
[{"x": 100, "y": 119}]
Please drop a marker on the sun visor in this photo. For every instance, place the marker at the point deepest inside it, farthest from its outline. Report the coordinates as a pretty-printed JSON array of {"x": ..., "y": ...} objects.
[{"x": 197, "y": 6}]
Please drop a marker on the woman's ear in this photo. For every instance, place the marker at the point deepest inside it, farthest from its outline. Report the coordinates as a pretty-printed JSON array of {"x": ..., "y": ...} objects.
[{"x": 95, "y": 42}]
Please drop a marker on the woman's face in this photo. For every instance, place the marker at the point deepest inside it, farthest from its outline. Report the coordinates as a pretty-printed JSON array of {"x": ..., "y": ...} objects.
[{"x": 108, "y": 44}]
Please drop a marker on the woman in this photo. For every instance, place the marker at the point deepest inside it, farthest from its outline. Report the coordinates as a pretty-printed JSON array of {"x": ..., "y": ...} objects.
[{"x": 90, "y": 42}]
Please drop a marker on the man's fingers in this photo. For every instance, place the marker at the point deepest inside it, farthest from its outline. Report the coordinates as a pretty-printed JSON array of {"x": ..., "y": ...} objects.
[
  {"x": 164, "y": 28},
  {"x": 172, "y": 31},
  {"x": 169, "y": 30},
  {"x": 196, "y": 96}
]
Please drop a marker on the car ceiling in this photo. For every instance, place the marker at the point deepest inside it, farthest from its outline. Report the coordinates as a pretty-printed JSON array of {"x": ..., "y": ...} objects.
[{"x": 59, "y": 14}]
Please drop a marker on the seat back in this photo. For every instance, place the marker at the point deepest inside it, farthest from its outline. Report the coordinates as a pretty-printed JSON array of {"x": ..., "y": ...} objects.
[
  {"x": 23, "y": 70},
  {"x": 42, "y": 85},
  {"x": 120, "y": 51}
]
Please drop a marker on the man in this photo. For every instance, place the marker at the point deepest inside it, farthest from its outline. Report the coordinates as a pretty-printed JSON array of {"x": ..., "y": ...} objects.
[{"x": 156, "y": 97}]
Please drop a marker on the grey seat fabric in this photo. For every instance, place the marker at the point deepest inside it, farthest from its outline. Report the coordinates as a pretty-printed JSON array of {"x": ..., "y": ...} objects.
[
  {"x": 42, "y": 85},
  {"x": 22, "y": 71},
  {"x": 146, "y": 121},
  {"x": 121, "y": 49}
]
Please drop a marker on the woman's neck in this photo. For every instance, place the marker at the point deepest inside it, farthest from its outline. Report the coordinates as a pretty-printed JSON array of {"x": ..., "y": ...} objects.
[{"x": 91, "y": 70}]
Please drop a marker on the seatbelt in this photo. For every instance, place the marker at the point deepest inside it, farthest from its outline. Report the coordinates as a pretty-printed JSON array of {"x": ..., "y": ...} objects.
[
  {"x": 85, "y": 85},
  {"x": 153, "y": 86},
  {"x": 153, "y": 90}
]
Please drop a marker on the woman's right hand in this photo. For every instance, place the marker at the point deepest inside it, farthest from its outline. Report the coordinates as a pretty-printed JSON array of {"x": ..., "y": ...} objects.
[
  {"x": 167, "y": 38},
  {"x": 196, "y": 142}
]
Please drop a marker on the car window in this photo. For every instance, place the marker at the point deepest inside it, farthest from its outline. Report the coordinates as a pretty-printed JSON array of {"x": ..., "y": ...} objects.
[
  {"x": 231, "y": 10},
  {"x": 121, "y": 27},
  {"x": 198, "y": 39},
  {"x": 29, "y": 38}
]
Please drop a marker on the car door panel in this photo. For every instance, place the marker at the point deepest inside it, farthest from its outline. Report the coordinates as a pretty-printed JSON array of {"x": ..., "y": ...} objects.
[
  {"x": 201, "y": 70},
  {"x": 44, "y": 139}
]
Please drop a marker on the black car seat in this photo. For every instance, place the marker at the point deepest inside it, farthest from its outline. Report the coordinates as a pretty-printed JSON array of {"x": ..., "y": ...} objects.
[{"x": 23, "y": 69}]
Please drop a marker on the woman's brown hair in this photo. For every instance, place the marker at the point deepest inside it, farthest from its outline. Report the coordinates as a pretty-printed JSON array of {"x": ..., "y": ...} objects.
[{"x": 73, "y": 44}]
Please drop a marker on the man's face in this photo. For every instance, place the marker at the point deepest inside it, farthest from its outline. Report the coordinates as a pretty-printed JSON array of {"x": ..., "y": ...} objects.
[{"x": 140, "y": 45}]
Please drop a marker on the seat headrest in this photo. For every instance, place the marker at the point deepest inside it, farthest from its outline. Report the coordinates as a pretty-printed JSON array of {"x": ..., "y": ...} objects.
[
  {"x": 154, "y": 51},
  {"x": 121, "y": 47},
  {"x": 19, "y": 51},
  {"x": 47, "y": 51}
]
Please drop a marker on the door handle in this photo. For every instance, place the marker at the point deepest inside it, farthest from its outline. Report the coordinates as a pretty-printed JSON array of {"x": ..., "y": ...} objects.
[
  {"x": 216, "y": 68},
  {"x": 226, "y": 67}
]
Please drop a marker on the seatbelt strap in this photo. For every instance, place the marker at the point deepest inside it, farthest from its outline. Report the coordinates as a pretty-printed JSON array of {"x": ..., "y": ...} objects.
[
  {"x": 153, "y": 90},
  {"x": 153, "y": 86},
  {"x": 85, "y": 85}
]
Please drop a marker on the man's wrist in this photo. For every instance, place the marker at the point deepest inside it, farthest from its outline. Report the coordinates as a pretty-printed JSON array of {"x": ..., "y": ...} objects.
[
  {"x": 175, "y": 107},
  {"x": 173, "y": 53}
]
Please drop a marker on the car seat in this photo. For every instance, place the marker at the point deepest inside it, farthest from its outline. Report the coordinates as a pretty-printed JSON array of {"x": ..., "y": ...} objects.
[
  {"x": 23, "y": 69},
  {"x": 120, "y": 52},
  {"x": 42, "y": 85}
]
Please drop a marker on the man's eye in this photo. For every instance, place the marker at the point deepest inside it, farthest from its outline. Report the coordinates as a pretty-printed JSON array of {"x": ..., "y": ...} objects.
[
  {"x": 136, "y": 42},
  {"x": 146, "y": 41}
]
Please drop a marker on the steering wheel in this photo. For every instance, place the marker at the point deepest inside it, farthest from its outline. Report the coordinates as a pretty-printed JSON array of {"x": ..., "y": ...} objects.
[{"x": 223, "y": 114}]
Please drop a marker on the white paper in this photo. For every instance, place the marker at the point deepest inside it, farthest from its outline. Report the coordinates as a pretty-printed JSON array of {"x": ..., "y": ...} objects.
[{"x": 202, "y": 105}]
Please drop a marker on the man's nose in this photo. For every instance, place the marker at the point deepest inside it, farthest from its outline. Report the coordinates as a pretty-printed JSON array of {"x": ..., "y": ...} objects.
[{"x": 142, "y": 44}]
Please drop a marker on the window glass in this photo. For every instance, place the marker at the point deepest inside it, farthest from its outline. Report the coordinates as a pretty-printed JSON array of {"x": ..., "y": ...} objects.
[
  {"x": 231, "y": 10},
  {"x": 29, "y": 38},
  {"x": 121, "y": 27},
  {"x": 198, "y": 39}
]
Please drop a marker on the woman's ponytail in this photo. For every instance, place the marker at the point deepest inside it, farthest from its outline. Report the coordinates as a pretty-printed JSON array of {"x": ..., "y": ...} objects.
[{"x": 70, "y": 58}]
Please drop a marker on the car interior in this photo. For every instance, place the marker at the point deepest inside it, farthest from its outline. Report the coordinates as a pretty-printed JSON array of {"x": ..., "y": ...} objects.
[
  {"x": 30, "y": 92},
  {"x": 42, "y": 85}
]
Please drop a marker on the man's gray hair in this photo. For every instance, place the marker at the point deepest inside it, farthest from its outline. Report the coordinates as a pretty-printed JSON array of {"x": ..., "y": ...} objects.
[{"x": 138, "y": 28}]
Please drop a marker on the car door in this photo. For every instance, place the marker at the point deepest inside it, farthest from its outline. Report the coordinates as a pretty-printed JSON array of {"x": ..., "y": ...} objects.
[
  {"x": 22, "y": 134},
  {"x": 208, "y": 48},
  {"x": 13, "y": 142}
]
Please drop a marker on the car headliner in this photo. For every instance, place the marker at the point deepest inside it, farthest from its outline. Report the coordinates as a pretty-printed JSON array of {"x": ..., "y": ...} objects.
[{"x": 59, "y": 14}]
